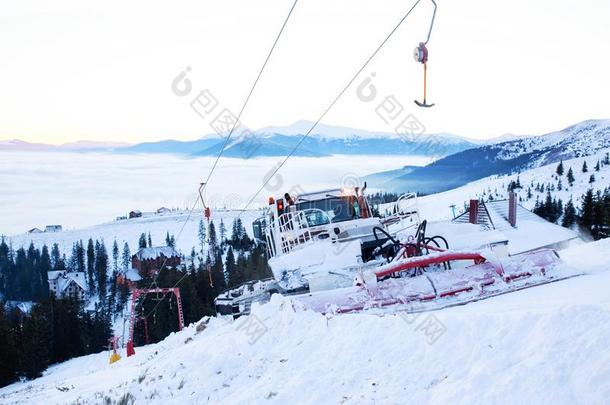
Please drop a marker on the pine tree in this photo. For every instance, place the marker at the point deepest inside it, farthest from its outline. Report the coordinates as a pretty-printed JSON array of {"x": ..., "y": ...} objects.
[
  {"x": 149, "y": 240},
  {"x": 230, "y": 269},
  {"x": 587, "y": 208},
  {"x": 56, "y": 258},
  {"x": 33, "y": 272},
  {"x": 20, "y": 284},
  {"x": 597, "y": 166},
  {"x": 558, "y": 211},
  {"x": 548, "y": 207},
  {"x": 223, "y": 232},
  {"x": 193, "y": 256},
  {"x": 72, "y": 262},
  {"x": 115, "y": 257},
  {"x": 170, "y": 240},
  {"x": 234, "y": 234},
  {"x": 559, "y": 169},
  {"x": 44, "y": 268},
  {"x": 601, "y": 215},
  {"x": 559, "y": 185},
  {"x": 569, "y": 215},
  {"x": 5, "y": 265},
  {"x": 212, "y": 236},
  {"x": 142, "y": 241},
  {"x": 112, "y": 296},
  {"x": 570, "y": 177},
  {"x": 585, "y": 169},
  {"x": 101, "y": 269},
  {"x": 90, "y": 266},
  {"x": 126, "y": 257},
  {"x": 80, "y": 257},
  {"x": 201, "y": 234},
  {"x": 218, "y": 275},
  {"x": 592, "y": 179},
  {"x": 607, "y": 159}
]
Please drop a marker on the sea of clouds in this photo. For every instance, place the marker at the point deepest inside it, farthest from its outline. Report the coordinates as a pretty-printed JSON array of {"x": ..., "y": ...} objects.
[{"x": 81, "y": 189}]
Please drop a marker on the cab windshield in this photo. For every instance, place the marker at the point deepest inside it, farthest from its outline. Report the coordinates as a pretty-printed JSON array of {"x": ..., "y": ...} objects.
[{"x": 337, "y": 209}]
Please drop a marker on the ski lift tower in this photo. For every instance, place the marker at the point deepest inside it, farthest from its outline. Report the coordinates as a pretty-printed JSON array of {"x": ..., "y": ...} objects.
[{"x": 141, "y": 292}]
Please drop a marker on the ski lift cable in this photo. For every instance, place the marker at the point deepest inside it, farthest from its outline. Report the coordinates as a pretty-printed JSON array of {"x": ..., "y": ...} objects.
[
  {"x": 431, "y": 23},
  {"x": 243, "y": 107},
  {"x": 226, "y": 142},
  {"x": 322, "y": 115},
  {"x": 332, "y": 104}
]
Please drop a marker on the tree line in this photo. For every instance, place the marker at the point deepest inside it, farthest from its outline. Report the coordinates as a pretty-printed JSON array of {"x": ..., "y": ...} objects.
[
  {"x": 55, "y": 330},
  {"x": 43, "y": 329}
]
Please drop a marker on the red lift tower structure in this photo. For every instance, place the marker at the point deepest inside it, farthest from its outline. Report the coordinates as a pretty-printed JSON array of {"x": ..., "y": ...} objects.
[{"x": 136, "y": 294}]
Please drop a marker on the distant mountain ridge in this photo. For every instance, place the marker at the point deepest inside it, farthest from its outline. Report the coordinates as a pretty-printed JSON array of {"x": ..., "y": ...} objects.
[
  {"x": 583, "y": 139},
  {"x": 325, "y": 140},
  {"x": 12, "y": 145}
]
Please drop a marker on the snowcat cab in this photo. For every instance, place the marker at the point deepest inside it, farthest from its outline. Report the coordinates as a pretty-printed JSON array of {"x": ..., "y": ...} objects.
[{"x": 305, "y": 232}]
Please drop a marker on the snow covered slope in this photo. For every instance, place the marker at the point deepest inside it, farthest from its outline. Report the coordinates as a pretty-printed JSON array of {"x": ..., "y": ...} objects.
[
  {"x": 129, "y": 230},
  {"x": 438, "y": 206},
  {"x": 542, "y": 345},
  {"x": 582, "y": 139}
]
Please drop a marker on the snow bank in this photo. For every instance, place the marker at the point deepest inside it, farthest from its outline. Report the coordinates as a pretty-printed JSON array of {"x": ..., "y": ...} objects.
[
  {"x": 594, "y": 256},
  {"x": 545, "y": 344}
]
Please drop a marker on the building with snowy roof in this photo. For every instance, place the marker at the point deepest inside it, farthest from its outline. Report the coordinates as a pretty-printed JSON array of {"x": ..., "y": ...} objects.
[
  {"x": 22, "y": 307},
  {"x": 523, "y": 230},
  {"x": 149, "y": 260},
  {"x": 129, "y": 277},
  {"x": 64, "y": 284}
]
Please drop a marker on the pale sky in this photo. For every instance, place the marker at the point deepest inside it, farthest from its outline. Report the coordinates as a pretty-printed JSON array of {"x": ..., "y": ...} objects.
[{"x": 102, "y": 70}]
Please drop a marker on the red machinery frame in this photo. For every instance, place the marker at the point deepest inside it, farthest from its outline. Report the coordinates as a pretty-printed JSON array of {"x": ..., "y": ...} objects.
[{"x": 140, "y": 292}]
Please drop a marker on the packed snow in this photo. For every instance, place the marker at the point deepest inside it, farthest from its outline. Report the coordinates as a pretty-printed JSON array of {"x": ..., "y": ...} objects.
[{"x": 541, "y": 345}]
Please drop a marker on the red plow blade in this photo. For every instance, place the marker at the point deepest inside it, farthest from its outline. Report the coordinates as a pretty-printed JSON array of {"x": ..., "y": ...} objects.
[{"x": 402, "y": 283}]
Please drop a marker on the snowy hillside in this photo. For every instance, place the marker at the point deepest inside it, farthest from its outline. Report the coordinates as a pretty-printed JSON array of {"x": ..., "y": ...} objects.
[
  {"x": 583, "y": 139},
  {"x": 541, "y": 345},
  {"x": 437, "y": 206},
  {"x": 129, "y": 230}
]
